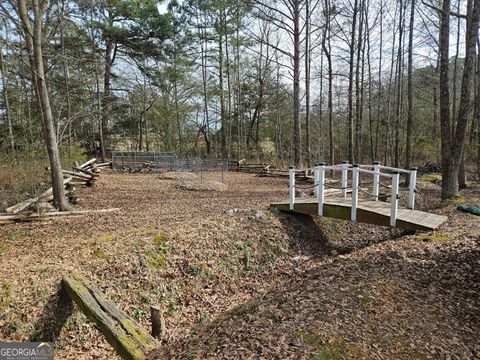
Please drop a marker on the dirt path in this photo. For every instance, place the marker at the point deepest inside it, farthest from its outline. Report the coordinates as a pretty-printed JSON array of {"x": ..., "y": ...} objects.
[{"x": 239, "y": 282}]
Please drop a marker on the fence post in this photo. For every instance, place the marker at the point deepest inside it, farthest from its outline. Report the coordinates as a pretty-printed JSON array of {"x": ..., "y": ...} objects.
[
  {"x": 412, "y": 189},
  {"x": 376, "y": 180},
  {"x": 291, "y": 186},
  {"x": 344, "y": 178},
  {"x": 355, "y": 173},
  {"x": 394, "y": 199},
  {"x": 321, "y": 187},
  {"x": 316, "y": 172}
]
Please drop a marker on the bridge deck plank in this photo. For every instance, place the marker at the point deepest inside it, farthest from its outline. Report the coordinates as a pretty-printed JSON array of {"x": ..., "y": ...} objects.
[{"x": 375, "y": 212}]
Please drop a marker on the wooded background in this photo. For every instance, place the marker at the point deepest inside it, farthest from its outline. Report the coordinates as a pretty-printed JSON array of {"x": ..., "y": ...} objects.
[{"x": 290, "y": 81}]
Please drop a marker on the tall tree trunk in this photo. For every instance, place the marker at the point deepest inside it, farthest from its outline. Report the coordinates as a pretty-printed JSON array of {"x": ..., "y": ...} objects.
[
  {"x": 307, "y": 83},
  {"x": 109, "y": 58},
  {"x": 449, "y": 177},
  {"x": 327, "y": 49},
  {"x": 358, "y": 87},
  {"x": 380, "y": 87},
  {"x": 223, "y": 122},
  {"x": 408, "y": 151},
  {"x": 296, "y": 84},
  {"x": 66, "y": 79},
  {"x": 465, "y": 104},
  {"x": 350, "y": 84},
  {"x": 399, "y": 85},
  {"x": 6, "y": 103},
  {"x": 33, "y": 36}
]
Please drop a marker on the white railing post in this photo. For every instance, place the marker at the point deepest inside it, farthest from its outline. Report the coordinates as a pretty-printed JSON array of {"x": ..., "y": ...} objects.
[
  {"x": 316, "y": 170},
  {"x": 412, "y": 189},
  {"x": 344, "y": 178},
  {"x": 355, "y": 174},
  {"x": 321, "y": 188},
  {"x": 376, "y": 180},
  {"x": 394, "y": 199},
  {"x": 291, "y": 186}
]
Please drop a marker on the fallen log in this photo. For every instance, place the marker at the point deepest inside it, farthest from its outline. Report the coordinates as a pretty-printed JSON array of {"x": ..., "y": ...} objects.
[
  {"x": 29, "y": 202},
  {"x": 127, "y": 337},
  {"x": 78, "y": 183},
  {"x": 78, "y": 175},
  {"x": 106, "y": 164},
  {"x": 85, "y": 171},
  {"x": 35, "y": 216},
  {"x": 89, "y": 162}
]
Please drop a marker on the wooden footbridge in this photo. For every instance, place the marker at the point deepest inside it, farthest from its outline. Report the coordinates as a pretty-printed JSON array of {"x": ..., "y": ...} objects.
[{"x": 344, "y": 203}]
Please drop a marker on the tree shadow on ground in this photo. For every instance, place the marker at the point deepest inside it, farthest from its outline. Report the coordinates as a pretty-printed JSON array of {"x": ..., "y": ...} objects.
[{"x": 55, "y": 314}]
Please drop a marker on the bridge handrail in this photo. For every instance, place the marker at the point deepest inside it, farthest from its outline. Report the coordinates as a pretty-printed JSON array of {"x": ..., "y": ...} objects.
[
  {"x": 319, "y": 185},
  {"x": 383, "y": 167}
]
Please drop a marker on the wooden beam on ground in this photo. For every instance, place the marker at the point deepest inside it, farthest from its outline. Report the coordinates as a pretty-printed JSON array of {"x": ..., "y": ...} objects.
[
  {"x": 78, "y": 175},
  {"x": 85, "y": 171},
  {"x": 126, "y": 336},
  {"x": 35, "y": 216},
  {"x": 29, "y": 202},
  {"x": 89, "y": 162}
]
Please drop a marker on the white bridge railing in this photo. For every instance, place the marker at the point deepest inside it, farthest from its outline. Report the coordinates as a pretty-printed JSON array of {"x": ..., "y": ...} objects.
[{"x": 345, "y": 168}]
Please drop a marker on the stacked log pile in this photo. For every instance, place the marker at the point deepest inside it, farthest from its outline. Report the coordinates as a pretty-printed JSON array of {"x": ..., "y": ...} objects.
[
  {"x": 252, "y": 168},
  {"x": 40, "y": 206}
]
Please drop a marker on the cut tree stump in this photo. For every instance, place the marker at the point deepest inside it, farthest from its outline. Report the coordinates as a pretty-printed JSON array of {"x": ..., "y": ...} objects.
[{"x": 129, "y": 339}]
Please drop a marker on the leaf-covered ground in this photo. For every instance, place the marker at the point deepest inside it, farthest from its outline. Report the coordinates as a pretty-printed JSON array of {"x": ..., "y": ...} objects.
[{"x": 237, "y": 281}]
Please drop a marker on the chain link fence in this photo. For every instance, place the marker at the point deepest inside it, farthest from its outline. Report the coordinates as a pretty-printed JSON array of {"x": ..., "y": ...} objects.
[{"x": 168, "y": 161}]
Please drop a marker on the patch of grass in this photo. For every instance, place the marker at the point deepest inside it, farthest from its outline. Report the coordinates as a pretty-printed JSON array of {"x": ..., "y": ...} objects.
[
  {"x": 431, "y": 177},
  {"x": 161, "y": 241},
  {"x": 134, "y": 232},
  {"x": 431, "y": 238},
  {"x": 307, "y": 338},
  {"x": 329, "y": 353},
  {"x": 105, "y": 237},
  {"x": 398, "y": 254},
  {"x": 246, "y": 256},
  {"x": 202, "y": 318},
  {"x": 138, "y": 314},
  {"x": 268, "y": 258},
  {"x": 157, "y": 261},
  {"x": 100, "y": 254},
  {"x": 5, "y": 295},
  {"x": 4, "y": 249},
  {"x": 15, "y": 234},
  {"x": 172, "y": 310},
  {"x": 145, "y": 298},
  {"x": 364, "y": 299},
  {"x": 336, "y": 351},
  {"x": 247, "y": 308},
  {"x": 458, "y": 200},
  {"x": 194, "y": 269}
]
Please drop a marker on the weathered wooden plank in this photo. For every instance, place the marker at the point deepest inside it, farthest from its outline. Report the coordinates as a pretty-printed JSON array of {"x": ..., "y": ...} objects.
[
  {"x": 77, "y": 175},
  {"x": 128, "y": 338},
  {"x": 35, "y": 216},
  {"x": 89, "y": 162}
]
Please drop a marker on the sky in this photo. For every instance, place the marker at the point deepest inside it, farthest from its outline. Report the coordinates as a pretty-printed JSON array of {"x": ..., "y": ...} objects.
[{"x": 162, "y": 6}]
